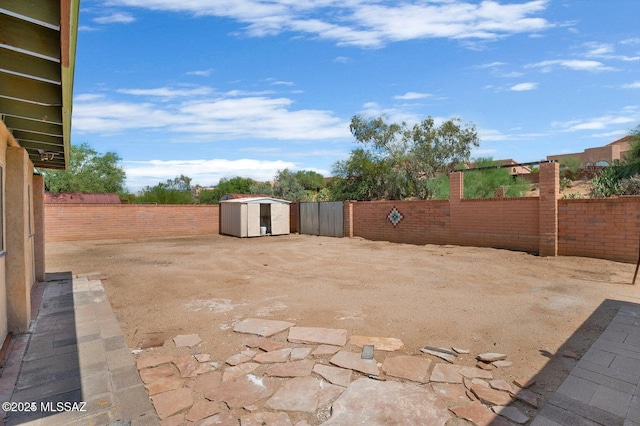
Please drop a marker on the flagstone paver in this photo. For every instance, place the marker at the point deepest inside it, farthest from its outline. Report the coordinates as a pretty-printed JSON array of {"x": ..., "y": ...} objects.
[
  {"x": 442, "y": 355},
  {"x": 202, "y": 357},
  {"x": 237, "y": 359},
  {"x": 299, "y": 353},
  {"x": 270, "y": 345},
  {"x": 203, "y": 409},
  {"x": 491, "y": 396},
  {"x": 305, "y": 394},
  {"x": 336, "y": 375},
  {"x": 502, "y": 385},
  {"x": 232, "y": 373},
  {"x": 280, "y": 355},
  {"x": 187, "y": 340},
  {"x": 265, "y": 418},
  {"x": 353, "y": 361},
  {"x": 326, "y": 350},
  {"x": 528, "y": 397},
  {"x": 148, "y": 375},
  {"x": 172, "y": 402},
  {"x": 379, "y": 343},
  {"x": 291, "y": 369},
  {"x": 261, "y": 327},
  {"x": 207, "y": 381},
  {"x": 491, "y": 357},
  {"x": 450, "y": 391},
  {"x": 164, "y": 384},
  {"x": 152, "y": 361},
  {"x": 245, "y": 390},
  {"x": 408, "y": 367},
  {"x": 187, "y": 365},
  {"x": 373, "y": 402},
  {"x": 327, "y": 336},
  {"x": 479, "y": 415},
  {"x": 473, "y": 372},
  {"x": 511, "y": 413},
  {"x": 446, "y": 373}
]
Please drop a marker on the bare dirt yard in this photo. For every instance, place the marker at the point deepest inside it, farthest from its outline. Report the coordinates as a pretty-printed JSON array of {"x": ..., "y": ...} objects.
[{"x": 484, "y": 300}]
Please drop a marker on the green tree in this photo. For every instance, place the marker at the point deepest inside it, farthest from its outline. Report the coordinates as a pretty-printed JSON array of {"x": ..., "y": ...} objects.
[
  {"x": 310, "y": 180},
  {"x": 287, "y": 187},
  {"x": 173, "y": 191},
  {"x": 235, "y": 185},
  {"x": 87, "y": 172},
  {"x": 399, "y": 160},
  {"x": 483, "y": 183},
  {"x": 261, "y": 188}
]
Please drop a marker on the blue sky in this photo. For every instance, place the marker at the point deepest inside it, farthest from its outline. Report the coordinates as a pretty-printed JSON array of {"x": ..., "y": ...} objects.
[{"x": 223, "y": 88}]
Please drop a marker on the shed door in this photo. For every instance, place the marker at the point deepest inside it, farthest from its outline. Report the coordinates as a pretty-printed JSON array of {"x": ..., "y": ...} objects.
[
  {"x": 253, "y": 220},
  {"x": 279, "y": 219}
]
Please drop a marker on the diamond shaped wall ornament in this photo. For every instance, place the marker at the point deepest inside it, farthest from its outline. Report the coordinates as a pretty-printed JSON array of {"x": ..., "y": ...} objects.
[{"x": 395, "y": 216}]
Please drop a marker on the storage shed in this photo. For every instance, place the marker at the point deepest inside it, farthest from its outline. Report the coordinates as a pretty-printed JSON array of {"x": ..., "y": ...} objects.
[{"x": 254, "y": 217}]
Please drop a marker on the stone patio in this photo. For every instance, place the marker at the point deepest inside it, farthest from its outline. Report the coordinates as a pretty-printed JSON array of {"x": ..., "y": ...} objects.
[{"x": 291, "y": 374}]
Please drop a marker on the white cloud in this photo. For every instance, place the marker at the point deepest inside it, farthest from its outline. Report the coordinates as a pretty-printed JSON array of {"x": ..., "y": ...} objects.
[
  {"x": 523, "y": 87},
  {"x": 606, "y": 51},
  {"x": 412, "y": 96},
  {"x": 168, "y": 92},
  {"x": 368, "y": 23},
  {"x": 203, "y": 172},
  {"x": 624, "y": 117},
  {"x": 206, "y": 118},
  {"x": 340, "y": 59},
  {"x": 201, "y": 73},
  {"x": 115, "y": 18},
  {"x": 574, "y": 64},
  {"x": 634, "y": 85}
]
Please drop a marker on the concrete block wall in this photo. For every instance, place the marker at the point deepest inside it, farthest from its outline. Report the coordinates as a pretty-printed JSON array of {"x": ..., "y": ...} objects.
[
  {"x": 76, "y": 222},
  {"x": 600, "y": 228}
]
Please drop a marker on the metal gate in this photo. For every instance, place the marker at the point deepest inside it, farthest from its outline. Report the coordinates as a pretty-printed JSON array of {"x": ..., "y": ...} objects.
[{"x": 324, "y": 219}]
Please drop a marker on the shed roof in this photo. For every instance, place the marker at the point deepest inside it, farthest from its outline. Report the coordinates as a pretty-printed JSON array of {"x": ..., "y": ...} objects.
[
  {"x": 257, "y": 200},
  {"x": 235, "y": 196}
]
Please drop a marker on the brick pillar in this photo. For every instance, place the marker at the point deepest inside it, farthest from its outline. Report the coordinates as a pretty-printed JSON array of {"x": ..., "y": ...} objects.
[
  {"x": 347, "y": 214},
  {"x": 456, "y": 194},
  {"x": 548, "y": 207},
  {"x": 456, "y": 186}
]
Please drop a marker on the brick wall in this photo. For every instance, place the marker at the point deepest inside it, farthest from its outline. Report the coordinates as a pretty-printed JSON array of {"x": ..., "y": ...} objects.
[
  {"x": 73, "y": 222},
  {"x": 600, "y": 228},
  {"x": 424, "y": 222},
  {"x": 507, "y": 223}
]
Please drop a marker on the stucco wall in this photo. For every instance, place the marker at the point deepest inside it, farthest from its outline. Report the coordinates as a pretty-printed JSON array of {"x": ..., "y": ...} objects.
[{"x": 3, "y": 283}]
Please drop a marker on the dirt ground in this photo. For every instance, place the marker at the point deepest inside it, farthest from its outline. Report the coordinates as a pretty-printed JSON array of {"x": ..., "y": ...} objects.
[{"x": 485, "y": 300}]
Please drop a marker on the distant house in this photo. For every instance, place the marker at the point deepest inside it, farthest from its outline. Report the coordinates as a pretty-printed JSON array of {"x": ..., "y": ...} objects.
[
  {"x": 516, "y": 168},
  {"x": 602, "y": 156},
  {"x": 80, "y": 198}
]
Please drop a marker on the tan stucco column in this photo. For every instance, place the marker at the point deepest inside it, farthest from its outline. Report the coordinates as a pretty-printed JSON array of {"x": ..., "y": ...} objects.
[
  {"x": 19, "y": 259},
  {"x": 38, "y": 225}
]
